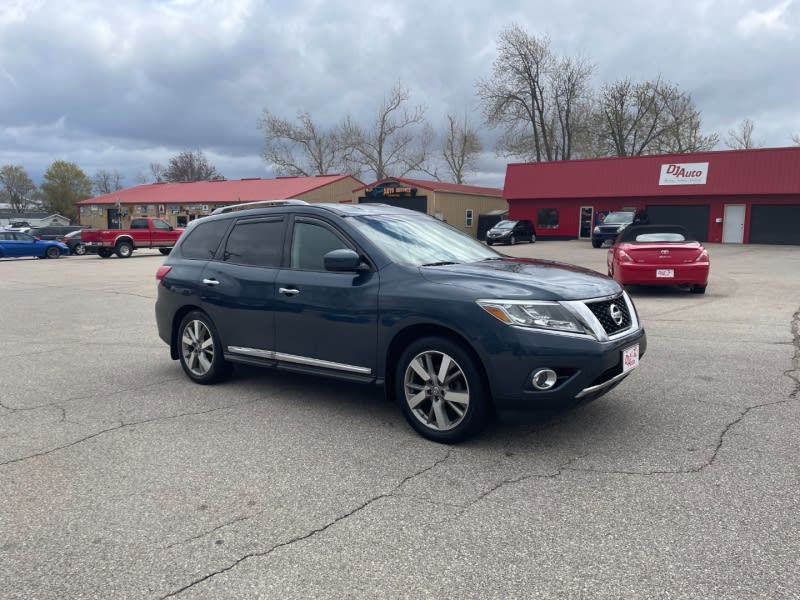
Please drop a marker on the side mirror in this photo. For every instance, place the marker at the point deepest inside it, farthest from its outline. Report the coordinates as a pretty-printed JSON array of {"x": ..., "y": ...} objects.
[{"x": 344, "y": 260}]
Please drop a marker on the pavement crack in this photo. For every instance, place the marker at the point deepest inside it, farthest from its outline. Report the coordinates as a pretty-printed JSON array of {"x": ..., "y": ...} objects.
[
  {"x": 122, "y": 425},
  {"x": 309, "y": 534}
]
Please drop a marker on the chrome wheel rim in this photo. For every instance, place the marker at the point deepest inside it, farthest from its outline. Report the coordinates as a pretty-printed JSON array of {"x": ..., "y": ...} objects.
[
  {"x": 197, "y": 348},
  {"x": 436, "y": 390}
]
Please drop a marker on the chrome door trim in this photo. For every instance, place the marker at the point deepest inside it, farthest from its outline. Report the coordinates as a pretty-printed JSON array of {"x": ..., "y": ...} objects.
[{"x": 300, "y": 360}]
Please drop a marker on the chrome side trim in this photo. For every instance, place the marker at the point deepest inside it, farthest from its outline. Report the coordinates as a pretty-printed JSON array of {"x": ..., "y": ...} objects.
[
  {"x": 315, "y": 362},
  {"x": 252, "y": 352},
  {"x": 605, "y": 384},
  {"x": 300, "y": 360}
]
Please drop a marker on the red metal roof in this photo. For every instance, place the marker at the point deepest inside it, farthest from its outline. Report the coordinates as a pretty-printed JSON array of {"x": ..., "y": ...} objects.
[
  {"x": 438, "y": 186},
  {"x": 234, "y": 190},
  {"x": 763, "y": 171}
]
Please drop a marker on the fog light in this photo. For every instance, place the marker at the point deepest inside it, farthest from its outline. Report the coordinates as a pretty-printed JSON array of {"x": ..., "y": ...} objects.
[{"x": 544, "y": 379}]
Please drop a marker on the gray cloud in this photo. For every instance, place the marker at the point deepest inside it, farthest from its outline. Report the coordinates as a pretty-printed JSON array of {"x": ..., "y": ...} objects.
[{"x": 121, "y": 85}]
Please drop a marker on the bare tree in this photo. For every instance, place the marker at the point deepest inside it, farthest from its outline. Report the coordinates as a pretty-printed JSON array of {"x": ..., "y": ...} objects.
[
  {"x": 741, "y": 137},
  {"x": 796, "y": 138},
  {"x": 681, "y": 131},
  {"x": 190, "y": 166},
  {"x": 302, "y": 148},
  {"x": 105, "y": 182},
  {"x": 157, "y": 172},
  {"x": 396, "y": 143},
  {"x": 538, "y": 98},
  {"x": 460, "y": 148},
  {"x": 18, "y": 188}
]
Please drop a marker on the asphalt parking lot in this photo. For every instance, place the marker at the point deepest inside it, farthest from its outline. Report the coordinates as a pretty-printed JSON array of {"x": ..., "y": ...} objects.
[{"x": 121, "y": 479}]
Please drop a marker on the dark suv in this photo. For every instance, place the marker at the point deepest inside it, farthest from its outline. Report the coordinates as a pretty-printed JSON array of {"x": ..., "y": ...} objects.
[
  {"x": 511, "y": 232},
  {"x": 384, "y": 295},
  {"x": 611, "y": 227}
]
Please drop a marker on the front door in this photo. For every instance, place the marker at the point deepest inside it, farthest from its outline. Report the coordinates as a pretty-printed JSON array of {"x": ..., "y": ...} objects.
[
  {"x": 587, "y": 219},
  {"x": 113, "y": 218},
  {"x": 733, "y": 224},
  {"x": 325, "y": 320}
]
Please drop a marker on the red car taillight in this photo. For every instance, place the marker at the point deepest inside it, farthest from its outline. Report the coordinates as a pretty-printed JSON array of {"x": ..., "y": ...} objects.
[
  {"x": 623, "y": 256},
  {"x": 162, "y": 272},
  {"x": 702, "y": 257}
]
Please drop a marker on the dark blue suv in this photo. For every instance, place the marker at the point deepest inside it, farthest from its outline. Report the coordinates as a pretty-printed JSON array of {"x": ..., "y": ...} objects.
[{"x": 383, "y": 295}]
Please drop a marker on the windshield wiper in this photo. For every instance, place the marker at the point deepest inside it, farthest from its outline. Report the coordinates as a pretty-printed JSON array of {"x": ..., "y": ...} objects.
[{"x": 439, "y": 264}]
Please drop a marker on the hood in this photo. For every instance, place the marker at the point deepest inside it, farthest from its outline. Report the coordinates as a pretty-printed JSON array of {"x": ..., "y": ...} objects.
[{"x": 523, "y": 278}]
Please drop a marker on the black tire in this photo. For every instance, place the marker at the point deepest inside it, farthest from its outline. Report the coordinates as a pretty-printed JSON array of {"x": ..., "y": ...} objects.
[
  {"x": 697, "y": 289},
  {"x": 52, "y": 252},
  {"x": 104, "y": 253},
  {"x": 533, "y": 238},
  {"x": 79, "y": 250},
  {"x": 597, "y": 243},
  {"x": 165, "y": 251},
  {"x": 124, "y": 249},
  {"x": 488, "y": 243},
  {"x": 200, "y": 350},
  {"x": 424, "y": 396},
  {"x": 512, "y": 240}
]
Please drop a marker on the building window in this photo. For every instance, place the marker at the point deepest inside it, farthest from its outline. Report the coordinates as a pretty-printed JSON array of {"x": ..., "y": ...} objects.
[
  {"x": 469, "y": 218},
  {"x": 547, "y": 218}
]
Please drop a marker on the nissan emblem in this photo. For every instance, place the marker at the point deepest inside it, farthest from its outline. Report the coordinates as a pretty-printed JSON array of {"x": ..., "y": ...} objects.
[{"x": 616, "y": 314}]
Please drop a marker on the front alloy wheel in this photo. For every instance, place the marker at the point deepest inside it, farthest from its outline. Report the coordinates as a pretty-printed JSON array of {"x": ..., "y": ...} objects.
[
  {"x": 200, "y": 350},
  {"x": 443, "y": 394}
]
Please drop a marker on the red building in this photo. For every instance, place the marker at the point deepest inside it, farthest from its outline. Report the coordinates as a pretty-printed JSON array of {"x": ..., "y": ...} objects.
[{"x": 734, "y": 196}]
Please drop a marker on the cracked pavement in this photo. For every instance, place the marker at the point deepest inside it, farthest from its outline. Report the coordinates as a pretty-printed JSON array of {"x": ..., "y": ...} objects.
[{"x": 120, "y": 479}]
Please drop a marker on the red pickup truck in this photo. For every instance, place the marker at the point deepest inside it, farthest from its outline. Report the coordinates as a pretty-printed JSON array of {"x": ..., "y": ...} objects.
[{"x": 144, "y": 232}]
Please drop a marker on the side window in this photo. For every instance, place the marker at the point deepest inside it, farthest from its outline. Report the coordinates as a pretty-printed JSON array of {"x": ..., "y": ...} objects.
[
  {"x": 159, "y": 224},
  {"x": 255, "y": 242},
  {"x": 202, "y": 242},
  {"x": 139, "y": 224},
  {"x": 468, "y": 218},
  {"x": 310, "y": 243}
]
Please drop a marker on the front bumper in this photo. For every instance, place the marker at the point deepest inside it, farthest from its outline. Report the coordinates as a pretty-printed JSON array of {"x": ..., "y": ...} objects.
[{"x": 587, "y": 368}]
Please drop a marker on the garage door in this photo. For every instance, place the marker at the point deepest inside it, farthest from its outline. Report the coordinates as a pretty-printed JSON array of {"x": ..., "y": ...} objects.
[
  {"x": 775, "y": 224},
  {"x": 694, "y": 218}
]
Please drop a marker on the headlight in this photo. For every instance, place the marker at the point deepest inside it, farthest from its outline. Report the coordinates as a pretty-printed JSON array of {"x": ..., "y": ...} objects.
[
  {"x": 550, "y": 316},
  {"x": 597, "y": 230}
]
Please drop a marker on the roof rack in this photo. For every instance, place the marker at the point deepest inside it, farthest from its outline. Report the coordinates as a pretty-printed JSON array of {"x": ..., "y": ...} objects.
[{"x": 256, "y": 204}]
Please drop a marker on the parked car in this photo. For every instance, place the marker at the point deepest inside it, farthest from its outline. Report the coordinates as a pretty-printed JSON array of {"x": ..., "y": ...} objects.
[
  {"x": 143, "y": 232},
  {"x": 377, "y": 294},
  {"x": 74, "y": 243},
  {"x": 53, "y": 232},
  {"x": 659, "y": 255},
  {"x": 612, "y": 225},
  {"x": 21, "y": 226},
  {"x": 511, "y": 232},
  {"x": 16, "y": 243}
]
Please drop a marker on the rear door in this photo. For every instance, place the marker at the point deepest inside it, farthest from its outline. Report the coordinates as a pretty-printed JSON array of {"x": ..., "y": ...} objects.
[
  {"x": 325, "y": 320},
  {"x": 239, "y": 286}
]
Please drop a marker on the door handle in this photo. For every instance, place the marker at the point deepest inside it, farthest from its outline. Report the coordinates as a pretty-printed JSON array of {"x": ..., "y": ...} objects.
[
  {"x": 289, "y": 291},
  {"x": 208, "y": 281}
]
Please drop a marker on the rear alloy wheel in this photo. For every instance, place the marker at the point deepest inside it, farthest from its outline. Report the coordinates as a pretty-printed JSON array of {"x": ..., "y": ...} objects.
[
  {"x": 52, "y": 252},
  {"x": 512, "y": 240},
  {"x": 697, "y": 289},
  {"x": 80, "y": 250},
  {"x": 123, "y": 249},
  {"x": 441, "y": 388},
  {"x": 533, "y": 238},
  {"x": 200, "y": 350}
]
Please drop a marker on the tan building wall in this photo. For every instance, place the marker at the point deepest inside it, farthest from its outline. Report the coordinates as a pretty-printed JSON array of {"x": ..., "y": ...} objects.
[
  {"x": 453, "y": 207},
  {"x": 338, "y": 191}
]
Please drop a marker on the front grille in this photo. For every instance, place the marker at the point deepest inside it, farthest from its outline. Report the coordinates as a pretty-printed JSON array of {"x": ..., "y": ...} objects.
[{"x": 603, "y": 311}]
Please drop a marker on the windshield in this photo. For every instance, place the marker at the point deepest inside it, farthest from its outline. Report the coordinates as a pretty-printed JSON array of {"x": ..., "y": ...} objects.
[
  {"x": 505, "y": 225},
  {"x": 421, "y": 240},
  {"x": 619, "y": 218}
]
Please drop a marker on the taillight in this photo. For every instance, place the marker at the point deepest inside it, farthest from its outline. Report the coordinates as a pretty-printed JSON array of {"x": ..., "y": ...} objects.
[
  {"x": 162, "y": 272},
  {"x": 624, "y": 256},
  {"x": 702, "y": 257}
]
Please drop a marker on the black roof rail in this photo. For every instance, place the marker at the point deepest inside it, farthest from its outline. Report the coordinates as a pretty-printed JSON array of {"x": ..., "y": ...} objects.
[{"x": 256, "y": 204}]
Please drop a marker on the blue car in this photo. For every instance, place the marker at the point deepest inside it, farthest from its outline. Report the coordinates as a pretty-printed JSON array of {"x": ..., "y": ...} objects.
[
  {"x": 376, "y": 294},
  {"x": 16, "y": 243}
]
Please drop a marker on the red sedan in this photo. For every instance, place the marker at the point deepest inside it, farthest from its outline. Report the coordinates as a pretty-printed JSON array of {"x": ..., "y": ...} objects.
[{"x": 659, "y": 255}]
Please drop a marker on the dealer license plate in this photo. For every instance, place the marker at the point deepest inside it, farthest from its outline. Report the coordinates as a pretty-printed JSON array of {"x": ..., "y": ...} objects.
[
  {"x": 630, "y": 358},
  {"x": 665, "y": 273}
]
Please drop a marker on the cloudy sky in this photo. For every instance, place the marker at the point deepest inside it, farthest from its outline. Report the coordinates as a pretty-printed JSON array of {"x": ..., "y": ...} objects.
[{"x": 119, "y": 85}]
